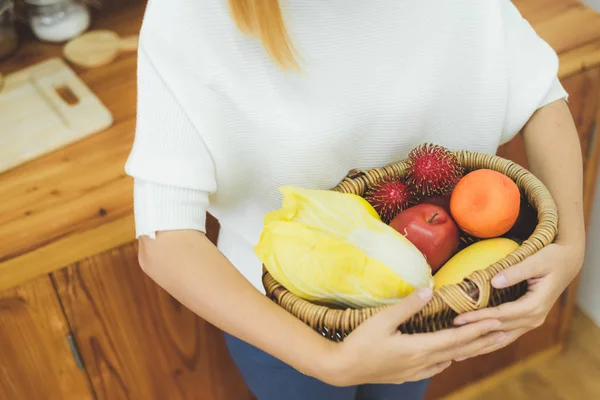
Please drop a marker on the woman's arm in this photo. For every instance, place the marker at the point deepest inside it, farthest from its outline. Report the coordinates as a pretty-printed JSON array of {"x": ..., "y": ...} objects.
[
  {"x": 554, "y": 156},
  {"x": 187, "y": 265}
]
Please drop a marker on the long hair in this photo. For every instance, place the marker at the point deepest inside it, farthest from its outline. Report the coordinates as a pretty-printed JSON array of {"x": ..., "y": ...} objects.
[{"x": 264, "y": 20}]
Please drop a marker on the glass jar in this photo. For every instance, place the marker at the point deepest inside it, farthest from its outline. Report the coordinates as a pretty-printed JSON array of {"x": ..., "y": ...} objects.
[
  {"x": 57, "y": 21},
  {"x": 9, "y": 40}
]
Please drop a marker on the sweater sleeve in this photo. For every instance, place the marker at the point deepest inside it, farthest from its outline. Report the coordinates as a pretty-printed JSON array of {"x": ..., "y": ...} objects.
[
  {"x": 532, "y": 71},
  {"x": 172, "y": 168}
]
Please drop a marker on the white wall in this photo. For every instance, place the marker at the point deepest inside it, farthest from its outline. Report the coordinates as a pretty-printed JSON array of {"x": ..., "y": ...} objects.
[
  {"x": 592, "y": 3},
  {"x": 589, "y": 287}
]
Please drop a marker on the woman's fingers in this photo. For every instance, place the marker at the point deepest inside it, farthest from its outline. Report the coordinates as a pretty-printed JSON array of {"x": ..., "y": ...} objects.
[
  {"x": 453, "y": 338},
  {"x": 430, "y": 371},
  {"x": 414, "y": 374},
  {"x": 528, "y": 269},
  {"x": 473, "y": 348},
  {"x": 529, "y": 322},
  {"x": 389, "y": 318},
  {"x": 511, "y": 336},
  {"x": 508, "y": 311}
]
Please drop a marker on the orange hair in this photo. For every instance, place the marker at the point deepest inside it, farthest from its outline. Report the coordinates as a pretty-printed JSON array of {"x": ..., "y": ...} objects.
[{"x": 263, "y": 19}]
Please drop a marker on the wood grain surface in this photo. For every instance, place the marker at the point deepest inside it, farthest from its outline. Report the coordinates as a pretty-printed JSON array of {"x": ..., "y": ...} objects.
[
  {"x": 462, "y": 374},
  {"x": 136, "y": 340},
  {"x": 76, "y": 188},
  {"x": 494, "y": 380},
  {"x": 62, "y": 195},
  {"x": 564, "y": 24},
  {"x": 579, "y": 60},
  {"x": 36, "y": 362},
  {"x": 573, "y": 375}
]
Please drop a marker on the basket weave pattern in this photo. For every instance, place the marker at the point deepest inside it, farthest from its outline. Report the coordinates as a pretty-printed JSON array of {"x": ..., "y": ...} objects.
[{"x": 475, "y": 292}]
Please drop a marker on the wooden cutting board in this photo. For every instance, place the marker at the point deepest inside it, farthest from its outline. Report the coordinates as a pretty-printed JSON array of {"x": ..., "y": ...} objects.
[{"x": 43, "y": 108}]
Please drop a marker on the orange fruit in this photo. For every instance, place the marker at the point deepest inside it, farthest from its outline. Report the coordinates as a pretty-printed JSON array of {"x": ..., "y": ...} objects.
[{"x": 485, "y": 203}]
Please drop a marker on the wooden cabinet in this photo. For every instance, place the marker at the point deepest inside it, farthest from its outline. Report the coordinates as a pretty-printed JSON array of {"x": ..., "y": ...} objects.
[
  {"x": 101, "y": 329},
  {"x": 136, "y": 341},
  {"x": 36, "y": 356}
]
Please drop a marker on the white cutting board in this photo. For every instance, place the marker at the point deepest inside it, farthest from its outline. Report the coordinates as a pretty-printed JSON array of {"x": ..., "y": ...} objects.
[{"x": 43, "y": 108}]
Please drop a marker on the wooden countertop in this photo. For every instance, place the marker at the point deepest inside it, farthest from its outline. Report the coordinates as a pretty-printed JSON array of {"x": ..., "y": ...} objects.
[{"x": 77, "y": 201}]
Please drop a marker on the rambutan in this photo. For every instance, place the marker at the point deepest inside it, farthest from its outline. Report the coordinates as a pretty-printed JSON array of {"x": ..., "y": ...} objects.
[
  {"x": 388, "y": 197},
  {"x": 432, "y": 169}
]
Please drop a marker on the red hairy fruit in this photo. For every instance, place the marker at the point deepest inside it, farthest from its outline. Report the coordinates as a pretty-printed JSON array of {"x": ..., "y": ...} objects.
[
  {"x": 388, "y": 197},
  {"x": 432, "y": 169}
]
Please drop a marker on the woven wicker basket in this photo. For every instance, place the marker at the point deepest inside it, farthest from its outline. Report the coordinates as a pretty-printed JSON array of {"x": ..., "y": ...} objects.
[{"x": 475, "y": 292}]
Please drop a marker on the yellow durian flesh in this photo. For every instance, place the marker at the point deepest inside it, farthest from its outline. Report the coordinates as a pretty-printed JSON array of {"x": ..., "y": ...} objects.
[{"x": 332, "y": 248}]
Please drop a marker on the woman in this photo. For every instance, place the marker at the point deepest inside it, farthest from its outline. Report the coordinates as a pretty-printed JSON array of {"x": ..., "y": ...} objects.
[{"x": 237, "y": 99}]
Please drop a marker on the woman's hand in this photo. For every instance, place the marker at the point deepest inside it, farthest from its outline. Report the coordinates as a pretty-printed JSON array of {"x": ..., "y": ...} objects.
[
  {"x": 548, "y": 273},
  {"x": 376, "y": 352}
]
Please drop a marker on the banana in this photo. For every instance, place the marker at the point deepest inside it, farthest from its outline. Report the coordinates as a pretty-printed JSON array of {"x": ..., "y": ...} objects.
[{"x": 473, "y": 258}]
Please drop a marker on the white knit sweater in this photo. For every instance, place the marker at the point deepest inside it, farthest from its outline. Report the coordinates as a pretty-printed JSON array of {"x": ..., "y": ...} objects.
[{"x": 220, "y": 127}]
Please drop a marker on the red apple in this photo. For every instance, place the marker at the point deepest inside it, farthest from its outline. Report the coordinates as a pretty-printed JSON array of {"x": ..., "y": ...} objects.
[{"x": 431, "y": 229}]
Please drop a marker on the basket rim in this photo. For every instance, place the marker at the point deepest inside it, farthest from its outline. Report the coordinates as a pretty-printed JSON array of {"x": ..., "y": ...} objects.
[{"x": 470, "y": 294}]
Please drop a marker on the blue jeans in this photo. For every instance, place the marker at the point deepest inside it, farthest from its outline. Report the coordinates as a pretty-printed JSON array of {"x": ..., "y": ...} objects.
[{"x": 270, "y": 379}]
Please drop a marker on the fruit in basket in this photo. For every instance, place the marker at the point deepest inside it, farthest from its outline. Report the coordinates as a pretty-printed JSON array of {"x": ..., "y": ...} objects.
[
  {"x": 442, "y": 200},
  {"x": 475, "y": 257},
  {"x": 389, "y": 196},
  {"x": 432, "y": 169},
  {"x": 485, "y": 203},
  {"x": 431, "y": 229},
  {"x": 329, "y": 247}
]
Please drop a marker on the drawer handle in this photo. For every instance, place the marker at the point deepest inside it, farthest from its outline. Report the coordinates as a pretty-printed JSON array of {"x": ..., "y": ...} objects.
[{"x": 75, "y": 351}]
